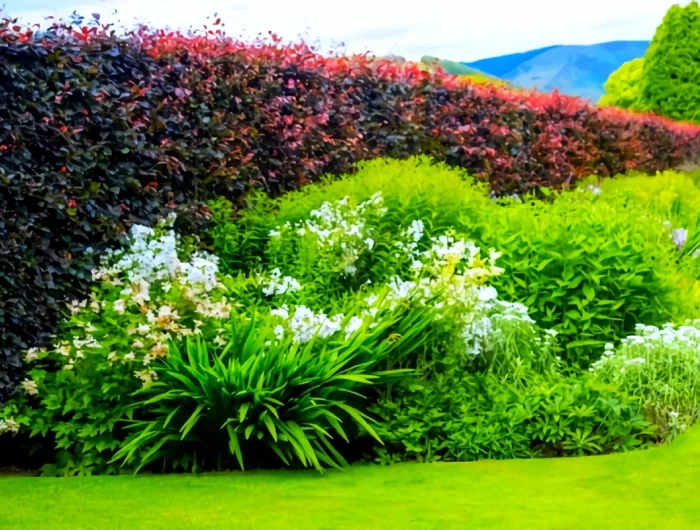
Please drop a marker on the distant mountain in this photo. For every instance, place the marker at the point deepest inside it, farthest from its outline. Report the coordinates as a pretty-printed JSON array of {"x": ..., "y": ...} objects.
[{"x": 574, "y": 70}]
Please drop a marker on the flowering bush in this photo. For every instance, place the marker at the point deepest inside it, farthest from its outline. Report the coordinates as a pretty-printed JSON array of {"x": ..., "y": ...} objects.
[
  {"x": 661, "y": 366},
  {"x": 170, "y": 362},
  {"x": 102, "y": 130}
]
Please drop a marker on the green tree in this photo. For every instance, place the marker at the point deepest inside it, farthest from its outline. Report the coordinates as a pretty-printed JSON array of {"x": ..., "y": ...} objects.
[
  {"x": 671, "y": 76},
  {"x": 623, "y": 87}
]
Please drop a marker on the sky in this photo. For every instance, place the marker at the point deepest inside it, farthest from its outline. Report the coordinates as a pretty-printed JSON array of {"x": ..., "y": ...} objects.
[{"x": 461, "y": 30}]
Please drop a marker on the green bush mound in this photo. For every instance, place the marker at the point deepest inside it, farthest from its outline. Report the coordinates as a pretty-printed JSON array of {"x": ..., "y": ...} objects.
[
  {"x": 382, "y": 316},
  {"x": 623, "y": 87}
]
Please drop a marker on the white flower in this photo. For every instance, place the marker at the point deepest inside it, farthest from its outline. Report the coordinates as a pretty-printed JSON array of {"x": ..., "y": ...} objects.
[
  {"x": 9, "y": 425},
  {"x": 352, "y": 326},
  {"x": 279, "y": 332},
  {"x": 279, "y": 285},
  {"x": 30, "y": 387},
  {"x": 147, "y": 375},
  {"x": 370, "y": 243},
  {"x": 282, "y": 312},
  {"x": 32, "y": 354},
  {"x": 119, "y": 306},
  {"x": 219, "y": 340},
  {"x": 305, "y": 324},
  {"x": 141, "y": 292},
  {"x": 130, "y": 356},
  {"x": 679, "y": 236},
  {"x": 138, "y": 344},
  {"x": 415, "y": 231},
  {"x": 487, "y": 293},
  {"x": 350, "y": 270}
]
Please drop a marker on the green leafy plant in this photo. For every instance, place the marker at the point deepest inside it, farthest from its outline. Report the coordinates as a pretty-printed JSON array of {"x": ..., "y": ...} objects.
[
  {"x": 455, "y": 416},
  {"x": 209, "y": 405},
  {"x": 588, "y": 266}
]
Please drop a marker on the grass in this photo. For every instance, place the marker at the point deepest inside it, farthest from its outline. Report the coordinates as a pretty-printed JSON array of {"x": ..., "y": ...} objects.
[{"x": 652, "y": 489}]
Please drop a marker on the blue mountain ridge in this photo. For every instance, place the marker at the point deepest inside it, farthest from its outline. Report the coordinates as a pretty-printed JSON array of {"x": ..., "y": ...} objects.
[{"x": 576, "y": 70}]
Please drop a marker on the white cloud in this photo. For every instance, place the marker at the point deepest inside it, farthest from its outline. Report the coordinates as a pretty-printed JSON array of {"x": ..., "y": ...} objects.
[{"x": 460, "y": 30}]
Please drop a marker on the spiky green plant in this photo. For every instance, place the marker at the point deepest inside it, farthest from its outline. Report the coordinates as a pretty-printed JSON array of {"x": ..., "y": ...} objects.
[{"x": 210, "y": 405}]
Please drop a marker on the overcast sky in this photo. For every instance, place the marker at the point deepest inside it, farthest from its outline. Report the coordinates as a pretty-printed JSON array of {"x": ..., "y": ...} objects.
[{"x": 462, "y": 30}]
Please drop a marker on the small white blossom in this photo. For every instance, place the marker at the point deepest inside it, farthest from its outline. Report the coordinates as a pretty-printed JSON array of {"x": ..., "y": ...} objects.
[
  {"x": 119, "y": 306},
  {"x": 30, "y": 387}
]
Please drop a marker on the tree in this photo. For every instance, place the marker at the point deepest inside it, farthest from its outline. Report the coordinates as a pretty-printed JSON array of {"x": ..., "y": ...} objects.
[
  {"x": 623, "y": 87},
  {"x": 671, "y": 74}
]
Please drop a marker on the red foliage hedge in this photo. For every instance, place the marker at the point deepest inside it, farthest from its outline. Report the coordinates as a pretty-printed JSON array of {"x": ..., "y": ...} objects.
[{"x": 99, "y": 130}]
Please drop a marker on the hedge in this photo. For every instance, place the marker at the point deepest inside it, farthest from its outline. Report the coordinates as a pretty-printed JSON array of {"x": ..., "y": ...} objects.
[{"x": 99, "y": 129}]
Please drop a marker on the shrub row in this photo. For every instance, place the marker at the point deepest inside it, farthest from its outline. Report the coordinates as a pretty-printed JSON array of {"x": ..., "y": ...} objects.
[
  {"x": 99, "y": 131},
  {"x": 374, "y": 309}
]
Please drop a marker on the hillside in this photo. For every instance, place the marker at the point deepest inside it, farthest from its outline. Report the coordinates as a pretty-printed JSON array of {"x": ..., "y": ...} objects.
[{"x": 573, "y": 70}]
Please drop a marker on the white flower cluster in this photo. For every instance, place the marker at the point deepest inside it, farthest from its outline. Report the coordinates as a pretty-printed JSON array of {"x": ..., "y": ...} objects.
[
  {"x": 452, "y": 274},
  {"x": 341, "y": 226},
  {"x": 304, "y": 324},
  {"x": 149, "y": 257},
  {"x": 9, "y": 425},
  {"x": 279, "y": 285},
  {"x": 661, "y": 366},
  {"x": 408, "y": 244},
  {"x": 146, "y": 268},
  {"x": 653, "y": 346}
]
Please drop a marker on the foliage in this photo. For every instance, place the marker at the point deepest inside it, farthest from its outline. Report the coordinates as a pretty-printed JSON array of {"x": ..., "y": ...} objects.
[
  {"x": 102, "y": 131},
  {"x": 589, "y": 266},
  {"x": 211, "y": 404},
  {"x": 457, "y": 416},
  {"x": 623, "y": 87},
  {"x": 665, "y": 80},
  {"x": 671, "y": 68},
  {"x": 78, "y": 392},
  {"x": 661, "y": 366},
  {"x": 274, "y": 336}
]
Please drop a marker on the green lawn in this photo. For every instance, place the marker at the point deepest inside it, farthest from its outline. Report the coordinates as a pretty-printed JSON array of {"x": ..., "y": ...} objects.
[{"x": 650, "y": 489}]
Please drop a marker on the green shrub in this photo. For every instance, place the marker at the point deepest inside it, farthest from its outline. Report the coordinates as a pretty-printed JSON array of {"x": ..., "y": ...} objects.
[
  {"x": 365, "y": 297},
  {"x": 590, "y": 267},
  {"x": 456, "y": 416},
  {"x": 320, "y": 312}
]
